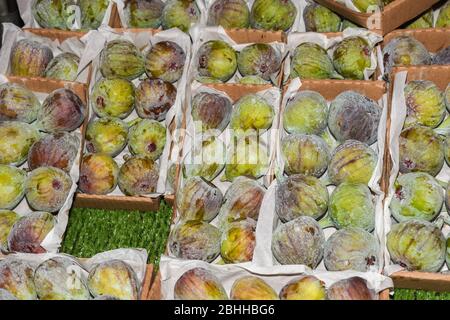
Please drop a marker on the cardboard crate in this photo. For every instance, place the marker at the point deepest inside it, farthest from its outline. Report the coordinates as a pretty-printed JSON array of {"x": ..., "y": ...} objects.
[{"x": 393, "y": 15}]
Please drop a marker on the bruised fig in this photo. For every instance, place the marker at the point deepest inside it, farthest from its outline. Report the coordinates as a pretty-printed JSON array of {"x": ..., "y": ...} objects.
[
  {"x": 17, "y": 103},
  {"x": 238, "y": 242},
  {"x": 16, "y": 277},
  {"x": 7, "y": 220},
  {"x": 230, "y": 14},
  {"x": 199, "y": 284},
  {"x": 106, "y": 135},
  {"x": 113, "y": 278},
  {"x": 28, "y": 233},
  {"x": 165, "y": 61},
  {"x": 180, "y": 14},
  {"x": 199, "y": 199},
  {"x": 47, "y": 189},
  {"x": 305, "y": 288},
  {"x": 259, "y": 59},
  {"x": 98, "y": 174},
  {"x": 121, "y": 59},
  {"x": 147, "y": 138},
  {"x": 57, "y": 150},
  {"x": 154, "y": 98},
  {"x": 251, "y": 113},
  {"x": 29, "y": 58},
  {"x": 211, "y": 111},
  {"x": 320, "y": 19},
  {"x": 216, "y": 59},
  {"x": 16, "y": 141},
  {"x": 138, "y": 176},
  {"x": 273, "y": 14},
  {"x": 63, "y": 67},
  {"x": 300, "y": 195},
  {"x": 60, "y": 278},
  {"x": 195, "y": 240},
  {"x": 252, "y": 288},
  {"x": 113, "y": 98},
  {"x": 305, "y": 154},
  {"x": 351, "y": 57},
  {"x": 62, "y": 110},
  {"x": 354, "y": 288},
  {"x": 143, "y": 13},
  {"x": 12, "y": 186},
  {"x": 354, "y": 117},
  {"x": 299, "y": 241}
]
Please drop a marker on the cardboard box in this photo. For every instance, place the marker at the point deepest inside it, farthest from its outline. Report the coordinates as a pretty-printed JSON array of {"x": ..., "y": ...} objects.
[
  {"x": 393, "y": 16},
  {"x": 434, "y": 39}
]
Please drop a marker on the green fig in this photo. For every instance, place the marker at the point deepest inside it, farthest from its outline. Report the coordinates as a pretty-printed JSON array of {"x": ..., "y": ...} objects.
[
  {"x": 180, "y": 14},
  {"x": 230, "y": 14},
  {"x": 216, "y": 59},
  {"x": 273, "y": 14}
]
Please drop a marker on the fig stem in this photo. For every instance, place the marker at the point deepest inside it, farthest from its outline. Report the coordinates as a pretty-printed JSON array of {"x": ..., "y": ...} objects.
[{"x": 326, "y": 222}]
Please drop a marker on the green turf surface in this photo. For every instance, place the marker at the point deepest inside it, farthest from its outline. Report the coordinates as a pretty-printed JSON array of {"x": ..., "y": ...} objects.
[
  {"x": 91, "y": 231},
  {"x": 409, "y": 294}
]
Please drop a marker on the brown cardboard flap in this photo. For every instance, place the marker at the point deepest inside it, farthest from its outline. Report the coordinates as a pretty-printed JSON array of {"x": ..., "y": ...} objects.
[
  {"x": 55, "y": 34},
  {"x": 440, "y": 75},
  {"x": 433, "y": 39},
  {"x": 254, "y": 35},
  {"x": 116, "y": 202},
  {"x": 146, "y": 285},
  {"x": 235, "y": 91},
  {"x": 422, "y": 281}
]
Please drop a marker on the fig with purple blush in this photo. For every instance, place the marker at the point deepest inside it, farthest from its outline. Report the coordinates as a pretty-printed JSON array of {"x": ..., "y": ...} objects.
[
  {"x": 147, "y": 138},
  {"x": 154, "y": 98},
  {"x": 98, "y": 174}
]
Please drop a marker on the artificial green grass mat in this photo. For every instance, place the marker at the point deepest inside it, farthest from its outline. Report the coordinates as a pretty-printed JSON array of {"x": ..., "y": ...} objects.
[
  {"x": 91, "y": 231},
  {"x": 410, "y": 294}
]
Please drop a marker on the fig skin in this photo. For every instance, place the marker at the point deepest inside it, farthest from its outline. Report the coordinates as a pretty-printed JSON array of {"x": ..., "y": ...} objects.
[
  {"x": 304, "y": 288},
  {"x": 17, "y": 103},
  {"x": 154, "y": 98},
  {"x": 17, "y": 139},
  {"x": 144, "y": 13},
  {"x": 138, "y": 176},
  {"x": 165, "y": 61},
  {"x": 212, "y": 111},
  {"x": 251, "y": 113},
  {"x": 320, "y": 19},
  {"x": 180, "y": 14},
  {"x": 12, "y": 186},
  {"x": 259, "y": 59},
  {"x": 147, "y": 139},
  {"x": 7, "y": 220},
  {"x": 230, "y": 14},
  {"x": 198, "y": 199},
  {"x": 216, "y": 59},
  {"x": 92, "y": 13},
  {"x": 16, "y": 277},
  {"x": 354, "y": 288},
  {"x": 238, "y": 242},
  {"x": 252, "y": 288},
  {"x": 299, "y": 241},
  {"x": 199, "y": 284},
  {"x": 195, "y": 240},
  {"x": 252, "y": 80},
  {"x": 364, "y": 5},
  {"x": 351, "y": 57},
  {"x": 424, "y": 21},
  {"x": 98, "y": 174},
  {"x": 106, "y": 135},
  {"x": 113, "y": 98},
  {"x": 47, "y": 189},
  {"x": 63, "y": 67},
  {"x": 300, "y": 195},
  {"x": 29, "y": 231},
  {"x": 29, "y": 58},
  {"x": 57, "y": 150},
  {"x": 53, "y": 14},
  {"x": 273, "y": 15}
]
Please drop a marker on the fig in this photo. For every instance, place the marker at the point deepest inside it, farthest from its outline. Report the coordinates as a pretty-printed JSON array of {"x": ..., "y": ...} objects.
[
  {"x": 62, "y": 110},
  {"x": 16, "y": 277},
  {"x": 60, "y": 278},
  {"x": 425, "y": 104},
  {"x": 230, "y": 14},
  {"x": 29, "y": 231},
  {"x": 417, "y": 245},
  {"x": 442, "y": 57},
  {"x": 180, "y": 14},
  {"x": 354, "y": 117},
  {"x": 304, "y": 288},
  {"x": 7, "y": 220},
  {"x": 417, "y": 196},
  {"x": 195, "y": 240},
  {"x": 171, "y": 177},
  {"x": 273, "y": 14},
  {"x": 306, "y": 113},
  {"x": 242, "y": 201},
  {"x": 443, "y": 20},
  {"x": 352, "y": 162},
  {"x": 351, "y": 57},
  {"x": 144, "y": 13},
  {"x": 98, "y": 174},
  {"x": 424, "y": 21},
  {"x": 348, "y": 24},
  {"x": 367, "y": 5},
  {"x": 138, "y": 176},
  {"x": 247, "y": 156},
  {"x": 154, "y": 98},
  {"x": 57, "y": 150},
  {"x": 113, "y": 278},
  {"x": 351, "y": 249},
  {"x": 259, "y": 59},
  {"x": 300, "y": 195},
  {"x": 252, "y": 80},
  {"x": 351, "y": 205},
  {"x": 447, "y": 149},
  {"x": 17, "y": 103},
  {"x": 211, "y": 111},
  {"x": 106, "y": 298},
  {"x": 165, "y": 61},
  {"x": 199, "y": 284},
  {"x": 405, "y": 51},
  {"x": 304, "y": 154},
  {"x": 63, "y": 67},
  {"x": 106, "y": 135},
  {"x": 238, "y": 242},
  {"x": 12, "y": 186},
  {"x": 299, "y": 241},
  {"x": 198, "y": 199},
  {"x": 320, "y": 19},
  {"x": 354, "y": 288},
  {"x": 251, "y": 113},
  {"x": 113, "y": 98},
  {"x": 421, "y": 149},
  {"x": 17, "y": 139},
  {"x": 147, "y": 138},
  {"x": 216, "y": 59},
  {"x": 311, "y": 61},
  {"x": 252, "y": 288},
  {"x": 447, "y": 96},
  {"x": 54, "y": 14},
  {"x": 29, "y": 58},
  {"x": 92, "y": 13},
  {"x": 206, "y": 159},
  {"x": 121, "y": 59}
]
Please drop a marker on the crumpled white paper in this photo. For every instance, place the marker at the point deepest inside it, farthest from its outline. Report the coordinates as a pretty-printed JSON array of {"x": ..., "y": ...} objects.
[{"x": 276, "y": 276}]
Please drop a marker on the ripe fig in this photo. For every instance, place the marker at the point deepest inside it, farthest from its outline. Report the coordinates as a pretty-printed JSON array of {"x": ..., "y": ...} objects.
[
  {"x": 106, "y": 135},
  {"x": 63, "y": 67},
  {"x": 12, "y": 186},
  {"x": 211, "y": 111},
  {"x": 154, "y": 98},
  {"x": 230, "y": 14},
  {"x": 273, "y": 14},
  {"x": 147, "y": 138},
  {"x": 251, "y": 113},
  {"x": 199, "y": 284},
  {"x": 180, "y": 14},
  {"x": 252, "y": 288},
  {"x": 92, "y": 13},
  {"x": 165, "y": 61},
  {"x": 16, "y": 277},
  {"x": 143, "y": 13},
  {"x": 354, "y": 288},
  {"x": 54, "y": 14},
  {"x": 17, "y": 103},
  {"x": 113, "y": 98},
  {"x": 238, "y": 242},
  {"x": 29, "y": 58},
  {"x": 216, "y": 59},
  {"x": 259, "y": 59},
  {"x": 17, "y": 139},
  {"x": 121, "y": 59},
  {"x": 367, "y": 5},
  {"x": 320, "y": 19},
  {"x": 98, "y": 174},
  {"x": 304, "y": 288},
  {"x": 7, "y": 220},
  {"x": 351, "y": 57}
]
